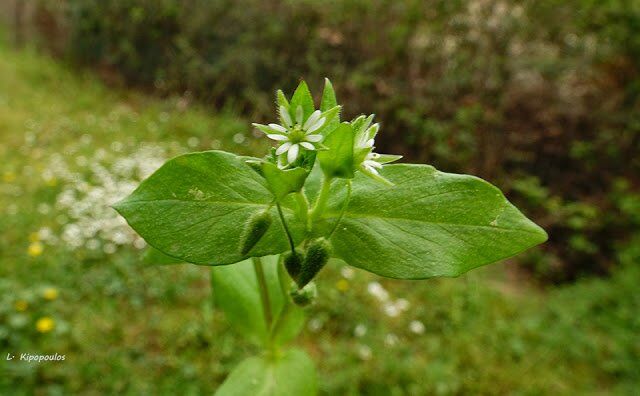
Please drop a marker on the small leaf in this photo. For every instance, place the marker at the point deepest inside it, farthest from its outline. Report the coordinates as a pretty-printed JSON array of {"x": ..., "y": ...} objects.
[
  {"x": 338, "y": 160},
  {"x": 282, "y": 182},
  {"x": 302, "y": 97},
  {"x": 293, "y": 373},
  {"x": 429, "y": 224},
  {"x": 328, "y": 96}
]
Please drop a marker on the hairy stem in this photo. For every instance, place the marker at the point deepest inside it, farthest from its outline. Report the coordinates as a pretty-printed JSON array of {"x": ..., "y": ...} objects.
[
  {"x": 264, "y": 292},
  {"x": 322, "y": 199}
]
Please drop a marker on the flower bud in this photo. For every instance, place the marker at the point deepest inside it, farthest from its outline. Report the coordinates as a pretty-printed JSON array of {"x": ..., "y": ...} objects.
[
  {"x": 305, "y": 296},
  {"x": 317, "y": 256},
  {"x": 254, "y": 229},
  {"x": 293, "y": 262}
]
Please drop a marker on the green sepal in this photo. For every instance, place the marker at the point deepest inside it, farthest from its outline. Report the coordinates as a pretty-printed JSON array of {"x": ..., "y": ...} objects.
[
  {"x": 317, "y": 255},
  {"x": 293, "y": 262},
  {"x": 338, "y": 161},
  {"x": 254, "y": 229},
  {"x": 328, "y": 96},
  {"x": 302, "y": 97},
  {"x": 283, "y": 181},
  {"x": 305, "y": 296}
]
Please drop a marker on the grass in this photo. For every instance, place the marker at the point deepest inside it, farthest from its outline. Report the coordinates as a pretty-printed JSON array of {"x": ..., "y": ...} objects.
[{"x": 128, "y": 328}]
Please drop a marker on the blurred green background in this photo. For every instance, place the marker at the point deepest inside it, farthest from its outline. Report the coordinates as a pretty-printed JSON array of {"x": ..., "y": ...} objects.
[{"x": 541, "y": 98}]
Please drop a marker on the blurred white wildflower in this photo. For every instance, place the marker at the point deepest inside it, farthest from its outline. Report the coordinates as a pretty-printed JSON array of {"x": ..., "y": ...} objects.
[
  {"x": 379, "y": 292},
  {"x": 85, "y": 200},
  {"x": 360, "y": 330},
  {"x": 347, "y": 272},
  {"x": 364, "y": 352},
  {"x": 416, "y": 327},
  {"x": 391, "y": 310},
  {"x": 238, "y": 138},
  {"x": 315, "y": 324},
  {"x": 193, "y": 142},
  {"x": 391, "y": 340}
]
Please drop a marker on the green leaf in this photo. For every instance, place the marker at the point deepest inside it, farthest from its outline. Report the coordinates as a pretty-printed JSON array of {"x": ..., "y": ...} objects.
[
  {"x": 328, "y": 96},
  {"x": 338, "y": 160},
  {"x": 153, "y": 256},
  {"x": 236, "y": 293},
  {"x": 293, "y": 373},
  {"x": 194, "y": 206},
  {"x": 429, "y": 224},
  {"x": 302, "y": 97},
  {"x": 282, "y": 182}
]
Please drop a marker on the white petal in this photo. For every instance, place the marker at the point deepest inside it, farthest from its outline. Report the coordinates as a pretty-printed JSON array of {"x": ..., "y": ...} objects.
[
  {"x": 370, "y": 143},
  {"x": 286, "y": 117},
  {"x": 313, "y": 138},
  {"x": 277, "y": 137},
  {"x": 299, "y": 115},
  {"x": 312, "y": 119},
  {"x": 292, "y": 154},
  {"x": 278, "y": 128},
  {"x": 370, "y": 169},
  {"x": 316, "y": 125},
  {"x": 372, "y": 164},
  {"x": 284, "y": 147},
  {"x": 307, "y": 145}
]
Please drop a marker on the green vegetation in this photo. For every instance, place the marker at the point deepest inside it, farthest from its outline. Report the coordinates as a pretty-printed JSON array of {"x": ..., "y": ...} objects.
[
  {"x": 540, "y": 97},
  {"x": 128, "y": 328}
]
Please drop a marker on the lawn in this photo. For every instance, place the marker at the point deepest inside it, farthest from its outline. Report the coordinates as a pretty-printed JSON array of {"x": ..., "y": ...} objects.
[{"x": 73, "y": 280}]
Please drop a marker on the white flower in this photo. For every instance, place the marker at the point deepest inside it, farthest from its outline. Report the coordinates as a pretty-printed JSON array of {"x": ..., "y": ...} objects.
[
  {"x": 295, "y": 135},
  {"x": 360, "y": 330},
  {"x": 379, "y": 292},
  {"x": 416, "y": 327}
]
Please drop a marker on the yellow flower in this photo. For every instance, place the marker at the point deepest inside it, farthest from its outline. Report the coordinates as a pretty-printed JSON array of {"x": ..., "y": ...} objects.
[
  {"x": 50, "y": 293},
  {"x": 342, "y": 285},
  {"x": 45, "y": 325},
  {"x": 21, "y": 305},
  {"x": 35, "y": 249},
  {"x": 9, "y": 176}
]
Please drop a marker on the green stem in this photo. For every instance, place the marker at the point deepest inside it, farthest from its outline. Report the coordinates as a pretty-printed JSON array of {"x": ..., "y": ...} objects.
[
  {"x": 282, "y": 318},
  {"x": 303, "y": 208},
  {"x": 264, "y": 292},
  {"x": 344, "y": 209},
  {"x": 286, "y": 229},
  {"x": 323, "y": 197},
  {"x": 285, "y": 282}
]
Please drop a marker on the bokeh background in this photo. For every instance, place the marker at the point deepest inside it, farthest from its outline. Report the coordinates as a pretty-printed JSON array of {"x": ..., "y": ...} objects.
[{"x": 541, "y": 98}]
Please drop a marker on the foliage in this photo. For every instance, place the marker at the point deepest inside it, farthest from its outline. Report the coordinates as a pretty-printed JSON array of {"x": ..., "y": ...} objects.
[
  {"x": 128, "y": 328},
  {"x": 405, "y": 221}
]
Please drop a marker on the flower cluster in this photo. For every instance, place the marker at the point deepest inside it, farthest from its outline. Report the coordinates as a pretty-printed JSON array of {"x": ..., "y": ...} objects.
[
  {"x": 84, "y": 201},
  {"x": 303, "y": 129}
]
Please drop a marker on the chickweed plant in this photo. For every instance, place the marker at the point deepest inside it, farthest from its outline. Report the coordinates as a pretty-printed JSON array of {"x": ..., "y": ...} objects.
[{"x": 322, "y": 195}]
